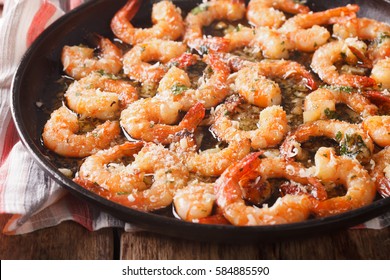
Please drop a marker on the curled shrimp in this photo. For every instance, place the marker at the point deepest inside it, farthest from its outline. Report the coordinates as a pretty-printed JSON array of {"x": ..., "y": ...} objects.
[
  {"x": 100, "y": 96},
  {"x": 271, "y": 127},
  {"x": 135, "y": 61},
  {"x": 79, "y": 61},
  {"x": 204, "y": 15},
  {"x": 169, "y": 175},
  {"x": 195, "y": 201},
  {"x": 256, "y": 88},
  {"x": 353, "y": 140},
  {"x": 287, "y": 209},
  {"x": 327, "y": 55},
  {"x": 272, "y": 69},
  {"x": 152, "y": 120},
  {"x": 266, "y": 12},
  {"x": 379, "y": 50},
  {"x": 321, "y": 102},
  {"x": 347, "y": 172},
  {"x": 366, "y": 29},
  {"x": 60, "y": 134},
  {"x": 104, "y": 169},
  {"x": 381, "y": 172},
  {"x": 176, "y": 86},
  {"x": 167, "y": 22},
  {"x": 304, "y": 32},
  {"x": 210, "y": 162},
  {"x": 378, "y": 127}
]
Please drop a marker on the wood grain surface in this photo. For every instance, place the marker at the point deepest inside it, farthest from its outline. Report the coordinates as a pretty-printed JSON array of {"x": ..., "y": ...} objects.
[
  {"x": 65, "y": 241},
  {"x": 346, "y": 244},
  {"x": 71, "y": 241}
]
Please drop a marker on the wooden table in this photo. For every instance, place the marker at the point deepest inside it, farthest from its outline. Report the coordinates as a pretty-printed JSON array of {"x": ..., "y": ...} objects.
[{"x": 71, "y": 241}]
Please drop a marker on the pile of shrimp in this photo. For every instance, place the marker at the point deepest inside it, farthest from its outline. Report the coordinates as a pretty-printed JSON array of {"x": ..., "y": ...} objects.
[{"x": 258, "y": 114}]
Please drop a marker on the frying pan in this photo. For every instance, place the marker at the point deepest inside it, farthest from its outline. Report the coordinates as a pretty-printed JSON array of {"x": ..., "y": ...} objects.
[{"x": 35, "y": 80}]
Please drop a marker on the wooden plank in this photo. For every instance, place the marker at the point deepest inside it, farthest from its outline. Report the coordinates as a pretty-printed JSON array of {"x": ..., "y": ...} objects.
[
  {"x": 65, "y": 241},
  {"x": 346, "y": 244}
]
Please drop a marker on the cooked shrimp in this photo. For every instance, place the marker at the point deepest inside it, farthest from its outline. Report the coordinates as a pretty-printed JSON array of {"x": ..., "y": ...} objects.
[
  {"x": 211, "y": 162},
  {"x": 167, "y": 22},
  {"x": 379, "y": 49},
  {"x": 79, "y": 61},
  {"x": 257, "y": 89},
  {"x": 381, "y": 72},
  {"x": 303, "y": 30},
  {"x": 347, "y": 172},
  {"x": 60, "y": 135},
  {"x": 104, "y": 169},
  {"x": 354, "y": 141},
  {"x": 272, "y": 126},
  {"x": 381, "y": 172},
  {"x": 240, "y": 37},
  {"x": 205, "y": 14},
  {"x": 378, "y": 127},
  {"x": 366, "y": 29},
  {"x": 273, "y": 69},
  {"x": 169, "y": 175},
  {"x": 287, "y": 209},
  {"x": 135, "y": 61},
  {"x": 272, "y": 43},
  {"x": 152, "y": 119},
  {"x": 176, "y": 86},
  {"x": 195, "y": 201},
  {"x": 321, "y": 102},
  {"x": 327, "y": 55},
  {"x": 266, "y": 12},
  {"x": 100, "y": 96}
]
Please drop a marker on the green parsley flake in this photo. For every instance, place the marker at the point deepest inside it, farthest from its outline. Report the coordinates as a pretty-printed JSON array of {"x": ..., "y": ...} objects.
[
  {"x": 201, "y": 8},
  {"x": 178, "y": 89}
]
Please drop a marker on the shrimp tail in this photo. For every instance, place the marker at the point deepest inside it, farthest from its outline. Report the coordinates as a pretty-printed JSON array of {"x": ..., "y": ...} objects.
[
  {"x": 185, "y": 60},
  {"x": 227, "y": 182},
  {"x": 128, "y": 11},
  {"x": 193, "y": 117},
  {"x": 377, "y": 97},
  {"x": 383, "y": 186}
]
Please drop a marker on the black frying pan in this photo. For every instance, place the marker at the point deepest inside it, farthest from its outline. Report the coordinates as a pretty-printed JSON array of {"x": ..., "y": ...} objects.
[{"x": 35, "y": 81}]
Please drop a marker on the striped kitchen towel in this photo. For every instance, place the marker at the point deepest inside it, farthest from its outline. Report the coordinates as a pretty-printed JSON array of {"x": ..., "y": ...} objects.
[{"x": 35, "y": 200}]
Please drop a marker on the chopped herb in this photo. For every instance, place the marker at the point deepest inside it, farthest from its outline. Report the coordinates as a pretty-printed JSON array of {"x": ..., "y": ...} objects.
[
  {"x": 352, "y": 145},
  {"x": 325, "y": 155},
  {"x": 339, "y": 135},
  {"x": 142, "y": 48},
  {"x": 78, "y": 93},
  {"x": 383, "y": 37},
  {"x": 94, "y": 134},
  {"x": 151, "y": 124},
  {"x": 315, "y": 45},
  {"x": 330, "y": 114},
  {"x": 227, "y": 113},
  {"x": 353, "y": 177},
  {"x": 122, "y": 193},
  {"x": 201, "y": 8},
  {"x": 343, "y": 55},
  {"x": 338, "y": 88},
  {"x": 101, "y": 72},
  {"x": 178, "y": 89},
  {"x": 239, "y": 27}
]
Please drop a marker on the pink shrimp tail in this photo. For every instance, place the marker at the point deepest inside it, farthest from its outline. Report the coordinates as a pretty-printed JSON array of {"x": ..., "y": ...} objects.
[
  {"x": 383, "y": 186},
  {"x": 193, "y": 117}
]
